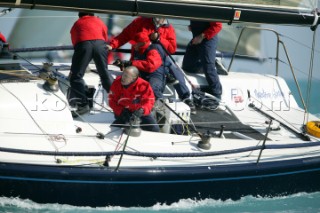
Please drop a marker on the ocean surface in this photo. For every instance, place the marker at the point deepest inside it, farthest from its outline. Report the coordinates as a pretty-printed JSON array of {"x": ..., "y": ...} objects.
[
  {"x": 314, "y": 100},
  {"x": 301, "y": 202}
]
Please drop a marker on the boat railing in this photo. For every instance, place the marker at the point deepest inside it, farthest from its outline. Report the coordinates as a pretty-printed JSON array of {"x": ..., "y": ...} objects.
[
  {"x": 162, "y": 154},
  {"x": 279, "y": 41}
]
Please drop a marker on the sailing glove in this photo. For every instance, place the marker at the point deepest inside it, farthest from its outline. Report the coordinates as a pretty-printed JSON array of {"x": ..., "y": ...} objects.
[
  {"x": 118, "y": 63},
  {"x": 125, "y": 115},
  {"x": 154, "y": 37},
  {"x": 127, "y": 63},
  {"x": 138, "y": 113},
  {"x": 122, "y": 64}
]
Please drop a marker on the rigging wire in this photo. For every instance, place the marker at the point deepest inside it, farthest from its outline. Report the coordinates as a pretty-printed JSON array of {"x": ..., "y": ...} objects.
[
  {"x": 299, "y": 42},
  {"x": 299, "y": 70},
  {"x": 306, "y": 115},
  {"x": 29, "y": 62}
]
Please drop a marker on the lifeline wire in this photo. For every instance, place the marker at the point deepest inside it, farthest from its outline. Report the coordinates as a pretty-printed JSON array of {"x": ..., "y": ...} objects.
[{"x": 164, "y": 155}]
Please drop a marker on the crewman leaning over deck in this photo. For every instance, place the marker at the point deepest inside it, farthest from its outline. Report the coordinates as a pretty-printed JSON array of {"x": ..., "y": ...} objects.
[
  {"x": 131, "y": 96},
  {"x": 163, "y": 32},
  {"x": 89, "y": 37},
  {"x": 159, "y": 31},
  {"x": 201, "y": 53}
]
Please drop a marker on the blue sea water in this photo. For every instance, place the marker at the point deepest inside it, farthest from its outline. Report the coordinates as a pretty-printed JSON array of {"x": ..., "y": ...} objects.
[
  {"x": 301, "y": 202},
  {"x": 314, "y": 103}
]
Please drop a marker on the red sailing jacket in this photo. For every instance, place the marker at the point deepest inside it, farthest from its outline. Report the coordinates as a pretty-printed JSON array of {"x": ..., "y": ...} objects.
[
  {"x": 143, "y": 24},
  {"x": 151, "y": 62},
  {"x": 2, "y": 38},
  {"x": 137, "y": 95},
  {"x": 209, "y": 29},
  {"x": 214, "y": 29},
  {"x": 88, "y": 28}
]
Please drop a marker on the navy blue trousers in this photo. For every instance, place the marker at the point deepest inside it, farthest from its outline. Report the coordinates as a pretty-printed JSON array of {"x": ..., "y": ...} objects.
[
  {"x": 203, "y": 56},
  {"x": 84, "y": 52},
  {"x": 157, "y": 81},
  {"x": 181, "y": 87}
]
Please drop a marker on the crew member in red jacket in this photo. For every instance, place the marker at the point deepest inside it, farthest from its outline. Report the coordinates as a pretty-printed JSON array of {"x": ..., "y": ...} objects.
[
  {"x": 201, "y": 53},
  {"x": 159, "y": 31},
  {"x": 2, "y": 38},
  {"x": 89, "y": 37},
  {"x": 148, "y": 58},
  {"x": 130, "y": 96}
]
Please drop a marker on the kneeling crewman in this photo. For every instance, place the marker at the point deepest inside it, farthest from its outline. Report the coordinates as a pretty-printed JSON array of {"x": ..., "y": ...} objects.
[{"x": 130, "y": 96}]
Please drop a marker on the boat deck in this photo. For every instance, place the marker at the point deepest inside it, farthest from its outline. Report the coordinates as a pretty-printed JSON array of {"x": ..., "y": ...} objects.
[
  {"x": 235, "y": 124},
  {"x": 231, "y": 126}
]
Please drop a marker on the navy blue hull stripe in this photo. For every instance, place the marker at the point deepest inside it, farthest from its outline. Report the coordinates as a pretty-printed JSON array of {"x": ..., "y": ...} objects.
[{"x": 156, "y": 182}]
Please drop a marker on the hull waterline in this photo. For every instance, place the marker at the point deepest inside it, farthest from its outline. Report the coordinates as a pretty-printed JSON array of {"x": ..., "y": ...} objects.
[{"x": 103, "y": 186}]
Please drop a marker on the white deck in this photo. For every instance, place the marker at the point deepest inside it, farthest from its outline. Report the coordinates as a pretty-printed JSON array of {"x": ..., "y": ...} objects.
[{"x": 35, "y": 119}]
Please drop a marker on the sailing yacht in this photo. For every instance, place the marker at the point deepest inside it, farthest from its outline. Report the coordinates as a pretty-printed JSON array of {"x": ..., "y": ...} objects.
[{"x": 258, "y": 142}]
